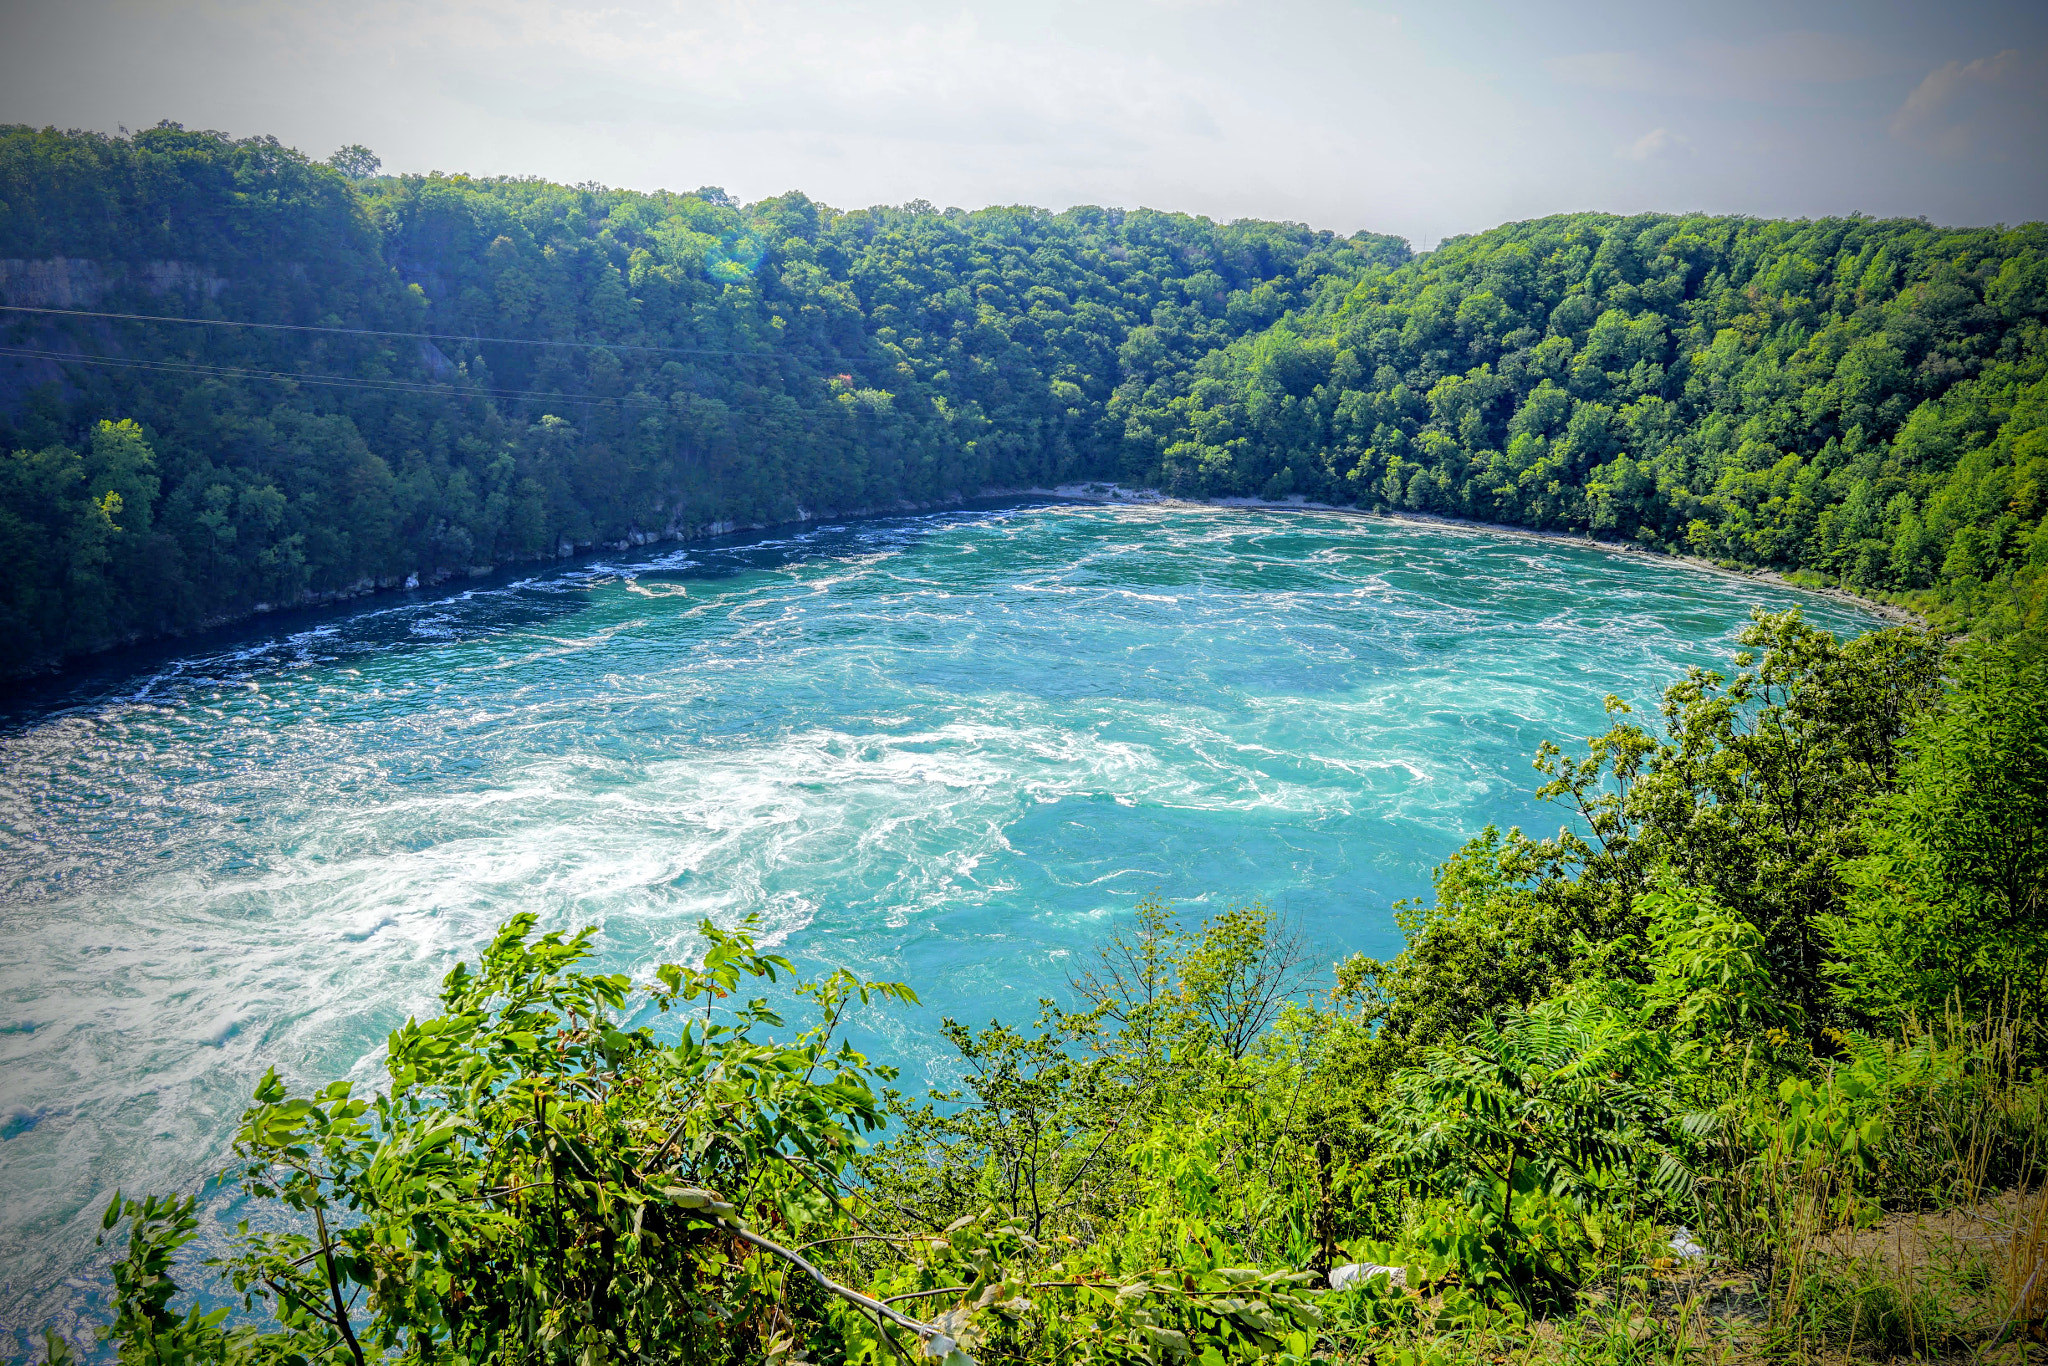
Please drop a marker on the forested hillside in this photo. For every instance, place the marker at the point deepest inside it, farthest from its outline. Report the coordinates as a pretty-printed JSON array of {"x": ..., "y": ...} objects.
[
  {"x": 497, "y": 370},
  {"x": 1863, "y": 401},
  {"x": 756, "y": 364}
]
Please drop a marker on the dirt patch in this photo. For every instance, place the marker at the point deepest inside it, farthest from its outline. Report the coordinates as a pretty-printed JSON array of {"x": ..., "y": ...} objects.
[{"x": 2003, "y": 1233}]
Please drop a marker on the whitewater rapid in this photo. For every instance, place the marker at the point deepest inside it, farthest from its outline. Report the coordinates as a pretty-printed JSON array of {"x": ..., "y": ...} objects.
[{"x": 951, "y": 749}]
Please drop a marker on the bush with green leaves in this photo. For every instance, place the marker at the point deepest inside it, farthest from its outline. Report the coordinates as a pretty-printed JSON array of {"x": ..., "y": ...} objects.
[
  {"x": 1950, "y": 905},
  {"x": 1543, "y": 1109},
  {"x": 1754, "y": 791},
  {"x": 537, "y": 1181}
]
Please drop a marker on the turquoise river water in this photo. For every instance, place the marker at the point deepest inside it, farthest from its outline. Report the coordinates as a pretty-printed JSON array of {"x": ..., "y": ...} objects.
[{"x": 949, "y": 749}]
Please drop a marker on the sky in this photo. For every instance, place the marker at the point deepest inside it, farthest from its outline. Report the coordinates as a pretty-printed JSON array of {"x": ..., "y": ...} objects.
[{"x": 1425, "y": 120}]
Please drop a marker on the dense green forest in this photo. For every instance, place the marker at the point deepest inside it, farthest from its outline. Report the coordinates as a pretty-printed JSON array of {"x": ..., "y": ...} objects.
[
  {"x": 509, "y": 369},
  {"x": 1746, "y": 1065},
  {"x": 1859, "y": 402},
  {"x": 732, "y": 365}
]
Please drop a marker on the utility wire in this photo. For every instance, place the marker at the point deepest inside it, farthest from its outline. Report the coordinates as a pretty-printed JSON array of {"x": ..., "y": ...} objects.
[
  {"x": 375, "y": 332},
  {"x": 332, "y": 381}
]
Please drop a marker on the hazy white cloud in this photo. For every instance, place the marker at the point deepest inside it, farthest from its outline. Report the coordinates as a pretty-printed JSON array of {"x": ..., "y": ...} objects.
[
  {"x": 1658, "y": 142},
  {"x": 1218, "y": 106},
  {"x": 1775, "y": 68},
  {"x": 1994, "y": 106},
  {"x": 1422, "y": 120},
  {"x": 756, "y": 72},
  {"x": 1630, "y": 71}
]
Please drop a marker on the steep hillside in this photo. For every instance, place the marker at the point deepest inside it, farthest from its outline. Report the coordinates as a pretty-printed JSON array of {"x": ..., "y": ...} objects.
[
  {"x": 1860, "y": 401},
  {"x": 455, "y": 373},
  {"x": 702, "y": 364}
]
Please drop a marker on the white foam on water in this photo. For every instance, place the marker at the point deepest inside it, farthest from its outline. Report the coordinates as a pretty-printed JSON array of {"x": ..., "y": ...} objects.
[{"x": 950, "y": 749}]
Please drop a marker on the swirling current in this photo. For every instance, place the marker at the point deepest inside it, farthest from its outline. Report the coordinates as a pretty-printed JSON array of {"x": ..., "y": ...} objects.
[{"x": 949, "y": 749}]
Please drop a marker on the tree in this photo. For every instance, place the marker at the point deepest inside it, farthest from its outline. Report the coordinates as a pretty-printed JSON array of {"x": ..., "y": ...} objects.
[
  {"x": 1753, "y": 792},
  {"x": 1549, "y": 1103},
  {"x": 356, "y": 161},
  {"x": 1949, "y": 906},
  {"x": 1227, "y": 979},
  {"x": 538, "y": 1181},
  {"x": 1757, "y": 792}
]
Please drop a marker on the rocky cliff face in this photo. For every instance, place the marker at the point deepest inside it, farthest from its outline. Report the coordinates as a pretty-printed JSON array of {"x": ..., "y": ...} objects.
[{"x": 75, "y": 282}]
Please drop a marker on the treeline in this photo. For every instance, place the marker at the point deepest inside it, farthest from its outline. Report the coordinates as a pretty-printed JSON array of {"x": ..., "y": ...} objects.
[
  {"x": 1862, "y": 403},
  {"x": 726, "y": 365},
  {"x": 1701, "y": 1078},
  {"x": 1857, "y": 403}
]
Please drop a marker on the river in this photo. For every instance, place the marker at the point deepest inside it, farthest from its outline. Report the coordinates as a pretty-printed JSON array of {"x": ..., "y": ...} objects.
[{"x": 951, "y": 749}]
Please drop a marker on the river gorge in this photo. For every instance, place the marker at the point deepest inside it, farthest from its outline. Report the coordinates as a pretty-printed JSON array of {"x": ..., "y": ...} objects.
[{"x": 952, "y": 749}]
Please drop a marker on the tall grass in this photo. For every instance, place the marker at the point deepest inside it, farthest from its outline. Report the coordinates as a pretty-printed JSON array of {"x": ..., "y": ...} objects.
[
  {"x": 1875, "y": 1201},
  {"x": 1891, "y": 1205}
]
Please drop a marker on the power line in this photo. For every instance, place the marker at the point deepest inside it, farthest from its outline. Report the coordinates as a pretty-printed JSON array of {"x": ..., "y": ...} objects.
[
  {"x": 331, "y": 381},
  {"x": 376, "y": 332}
]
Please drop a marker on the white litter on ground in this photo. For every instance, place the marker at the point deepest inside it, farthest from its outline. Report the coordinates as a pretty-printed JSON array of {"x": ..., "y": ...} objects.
[{"x": 1355, "y": 1272}]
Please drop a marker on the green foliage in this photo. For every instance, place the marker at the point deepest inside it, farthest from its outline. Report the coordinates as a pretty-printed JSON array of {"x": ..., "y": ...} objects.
[
  {"x": 540, "y": 1181},
  {"x": 718, "y": 365},
  {"x": 1662, "y": 1015},
  {"x": 1710, "y": 981},
  {"x": 75, "y": 529},
  {"x": 1952, "y": 901},
  {"x": 144, "y": 1324},
  {"x": 536, "y": 1180},
  {"x": 1530, "y": 1126},
  {"x": 1494, "y": 937},
  {"x": 1743, "y": 841},
  {"x": 1043, "y": 1126},
  {"x": 1860, "y": 400},
  {"x": 1046, "y": 1301},
  {"x": 1756, "y": 793},
  {"x": 1026, "y": 1141},
  {"x": 1752, "y": 794},
  {"x": 1222, "y": 983},
  {"x": 356, "y": 161}
]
